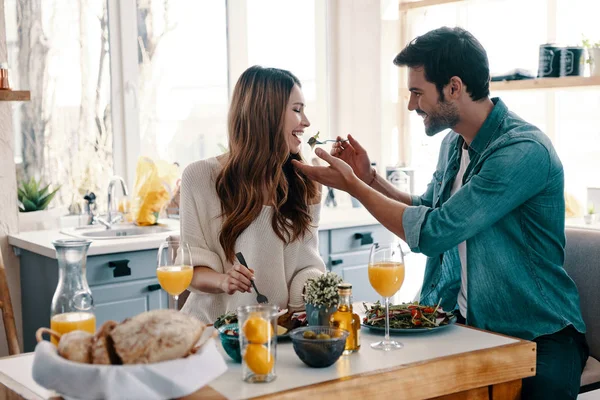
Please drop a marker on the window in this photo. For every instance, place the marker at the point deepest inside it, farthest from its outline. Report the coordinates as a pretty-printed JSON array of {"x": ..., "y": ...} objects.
[
  {"x": 182, "y": 79},
  {"x": 61, "y": 54},
  {"x": 114, "y": 80}
]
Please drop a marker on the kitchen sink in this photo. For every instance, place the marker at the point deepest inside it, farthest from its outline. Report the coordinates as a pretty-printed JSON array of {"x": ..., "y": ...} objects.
[{"x": 116, "y": 232}]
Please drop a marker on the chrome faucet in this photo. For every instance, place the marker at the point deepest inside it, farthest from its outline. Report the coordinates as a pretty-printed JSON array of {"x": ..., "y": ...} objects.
[{"x": 109, "y": 215}]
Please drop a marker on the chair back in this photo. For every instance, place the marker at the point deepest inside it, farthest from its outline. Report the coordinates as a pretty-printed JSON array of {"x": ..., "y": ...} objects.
[{"x": 8, "y": 317}]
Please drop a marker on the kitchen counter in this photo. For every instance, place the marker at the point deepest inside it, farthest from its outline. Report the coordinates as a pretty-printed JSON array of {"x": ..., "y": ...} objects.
[{"x": 40, "y": 242}]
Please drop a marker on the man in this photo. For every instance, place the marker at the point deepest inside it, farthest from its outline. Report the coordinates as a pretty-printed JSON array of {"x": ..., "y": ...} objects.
[{"x": 492, "y": 218}]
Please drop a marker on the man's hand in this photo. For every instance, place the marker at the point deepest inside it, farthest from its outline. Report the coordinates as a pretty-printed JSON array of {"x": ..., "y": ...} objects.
[
  {"x": 237, "y": 279},
  {"x": 338, "y": 174},
  {"x": 355, "y": 156}
]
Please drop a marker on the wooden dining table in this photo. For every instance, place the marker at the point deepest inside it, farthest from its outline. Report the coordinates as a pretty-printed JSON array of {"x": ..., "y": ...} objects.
[{"x": 457, "y": 362}]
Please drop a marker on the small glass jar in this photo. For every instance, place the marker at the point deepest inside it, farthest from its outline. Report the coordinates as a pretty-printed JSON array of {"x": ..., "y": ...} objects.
[
  {"x": 258, "y": 342},
  {"x": 72, "y": 304}
]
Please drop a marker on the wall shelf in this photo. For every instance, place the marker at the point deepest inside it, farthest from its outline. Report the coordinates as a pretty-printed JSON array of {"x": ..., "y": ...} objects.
[
  {"x": 409, "y": 5},
  {"x": 15, "y": 95},
  {"x": 547, "y": 83}
]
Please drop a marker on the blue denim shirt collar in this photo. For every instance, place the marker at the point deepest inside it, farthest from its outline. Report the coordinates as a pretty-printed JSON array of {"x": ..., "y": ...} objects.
[{"x": 489, "y": 130}]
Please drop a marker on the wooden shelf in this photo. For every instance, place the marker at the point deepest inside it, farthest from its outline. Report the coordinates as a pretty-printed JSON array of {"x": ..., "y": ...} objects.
[
  {"x": 15, "y": 95},
  {"x": 547, "y": 83},
  {"x": 410, "y": 5}
]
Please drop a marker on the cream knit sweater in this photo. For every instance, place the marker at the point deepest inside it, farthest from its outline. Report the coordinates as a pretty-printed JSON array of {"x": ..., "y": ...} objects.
[{"x": 280, "y": 269}]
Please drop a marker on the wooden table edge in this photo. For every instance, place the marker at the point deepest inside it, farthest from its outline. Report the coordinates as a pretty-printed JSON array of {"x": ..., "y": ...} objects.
[{"x": 332, "y": 387}]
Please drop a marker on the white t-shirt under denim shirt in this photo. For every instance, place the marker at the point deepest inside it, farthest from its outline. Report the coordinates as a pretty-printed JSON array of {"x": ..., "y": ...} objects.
[{"x": 462, "y": 247}]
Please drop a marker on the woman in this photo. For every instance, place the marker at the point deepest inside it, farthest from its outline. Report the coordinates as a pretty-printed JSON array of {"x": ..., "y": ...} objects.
[{"x": 251, "y": 200}]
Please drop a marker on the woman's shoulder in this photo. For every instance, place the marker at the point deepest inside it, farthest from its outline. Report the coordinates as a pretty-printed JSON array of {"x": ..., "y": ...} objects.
[{"x": 201, "y": 172}]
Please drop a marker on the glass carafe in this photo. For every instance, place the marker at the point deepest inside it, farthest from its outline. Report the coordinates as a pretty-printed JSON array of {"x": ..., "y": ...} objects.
[{"x": 72, "y": 305}]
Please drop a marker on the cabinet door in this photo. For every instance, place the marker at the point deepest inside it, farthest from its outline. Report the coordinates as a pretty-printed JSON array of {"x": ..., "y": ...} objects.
[{"x": 118, "y": 301}]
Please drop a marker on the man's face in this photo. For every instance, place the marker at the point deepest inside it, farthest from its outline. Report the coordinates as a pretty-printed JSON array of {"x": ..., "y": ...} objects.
[{"x": 438, "y": 113}]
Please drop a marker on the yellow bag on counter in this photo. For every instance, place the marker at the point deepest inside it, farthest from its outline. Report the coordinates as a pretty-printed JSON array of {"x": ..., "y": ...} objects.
[{"x": 154, "y": 184}]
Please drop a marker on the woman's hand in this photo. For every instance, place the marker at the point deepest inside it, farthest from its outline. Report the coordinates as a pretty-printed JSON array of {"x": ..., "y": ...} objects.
[
  {"x": 237, "y": 279},
  {"x": 355, "y": 156}
]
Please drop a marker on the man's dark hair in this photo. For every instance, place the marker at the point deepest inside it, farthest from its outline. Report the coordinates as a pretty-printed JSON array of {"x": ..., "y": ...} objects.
[{"x": 447, "y": 52}]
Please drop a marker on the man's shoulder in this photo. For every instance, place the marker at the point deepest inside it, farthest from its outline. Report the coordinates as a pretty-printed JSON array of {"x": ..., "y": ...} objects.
[
  {"x": 515, "y": 127},
  {"x": 517, "y": 130}
]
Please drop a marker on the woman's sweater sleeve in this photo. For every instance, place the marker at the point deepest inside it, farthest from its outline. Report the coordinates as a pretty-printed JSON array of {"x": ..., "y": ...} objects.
[
  {"x": 195, "y": 181},
  {"x": 310, "y": 263}
]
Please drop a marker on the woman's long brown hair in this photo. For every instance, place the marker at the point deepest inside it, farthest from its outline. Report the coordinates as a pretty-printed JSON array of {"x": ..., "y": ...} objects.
[{"x": 259, "y": 159}]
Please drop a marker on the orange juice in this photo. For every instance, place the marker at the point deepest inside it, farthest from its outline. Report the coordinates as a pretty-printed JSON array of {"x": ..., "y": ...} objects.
[
  {"x": 73, "y": 321},
  {"x": 386, "y": 277},
  {"x": 175, "y": 279}
]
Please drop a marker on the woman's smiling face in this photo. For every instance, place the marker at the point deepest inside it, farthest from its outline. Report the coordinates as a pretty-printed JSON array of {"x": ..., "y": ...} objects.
[{"x": 295, "y": 120}]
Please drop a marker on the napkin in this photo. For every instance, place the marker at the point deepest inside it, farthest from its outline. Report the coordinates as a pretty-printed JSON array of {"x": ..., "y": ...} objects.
[{"x": 163, "y": 380}]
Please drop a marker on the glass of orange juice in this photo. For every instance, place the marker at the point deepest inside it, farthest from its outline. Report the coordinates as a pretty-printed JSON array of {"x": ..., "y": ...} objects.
[
  {"x": 174, "y": 268},
  {"x": 386, "y": 275}
]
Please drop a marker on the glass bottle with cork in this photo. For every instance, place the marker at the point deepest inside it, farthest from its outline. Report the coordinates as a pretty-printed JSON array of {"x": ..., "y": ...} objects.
[{"x": 346, "y": 319}]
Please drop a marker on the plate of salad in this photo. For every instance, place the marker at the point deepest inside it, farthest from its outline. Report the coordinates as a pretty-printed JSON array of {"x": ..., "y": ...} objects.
[{"x": 407, "y": 318}]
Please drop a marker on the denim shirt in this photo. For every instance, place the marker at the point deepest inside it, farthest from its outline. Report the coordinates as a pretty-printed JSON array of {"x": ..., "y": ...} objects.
[{"x": 511, "y": 212}]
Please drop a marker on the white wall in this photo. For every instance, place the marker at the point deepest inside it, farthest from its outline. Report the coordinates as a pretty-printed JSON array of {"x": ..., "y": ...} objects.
[{"x": 8, "y": 200}]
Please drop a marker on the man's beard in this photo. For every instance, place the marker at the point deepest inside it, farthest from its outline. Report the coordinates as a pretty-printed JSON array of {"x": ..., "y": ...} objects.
[{"x": 445, "y": 117}]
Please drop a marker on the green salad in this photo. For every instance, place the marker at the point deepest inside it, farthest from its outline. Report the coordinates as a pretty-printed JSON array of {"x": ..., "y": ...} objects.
[{"x": 407, "y": 316}]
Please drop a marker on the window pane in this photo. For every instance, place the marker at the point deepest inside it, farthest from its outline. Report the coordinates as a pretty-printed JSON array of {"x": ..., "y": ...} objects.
[
  {"x": 182, "y": 88},
  {"x": 577, "y": 118},
  {"x": 59, "y": 51},
  {"x": 273, "y": 43}
]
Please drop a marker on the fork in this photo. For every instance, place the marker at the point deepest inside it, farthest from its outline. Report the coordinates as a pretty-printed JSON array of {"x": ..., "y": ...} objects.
[
  {"x": 260, "y": 298},
  {"x": 328, "y": 141}
]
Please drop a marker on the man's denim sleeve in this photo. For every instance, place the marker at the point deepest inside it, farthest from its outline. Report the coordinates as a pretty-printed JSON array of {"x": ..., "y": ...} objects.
[
  {"x": 508, "y": 177},
  {"x": 426, "y": 199}
]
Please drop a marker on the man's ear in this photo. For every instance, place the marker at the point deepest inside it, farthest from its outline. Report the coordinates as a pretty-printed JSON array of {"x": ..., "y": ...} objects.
[{"x": 456, "y": 87}]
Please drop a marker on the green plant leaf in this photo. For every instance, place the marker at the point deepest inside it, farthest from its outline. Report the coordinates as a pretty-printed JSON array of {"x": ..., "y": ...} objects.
[
  {"x": 43, "y": 191},
  {"x": 29, "y": 206},
  {"x": 21, "y": 194},
  {"x": 44, "y": 201}
]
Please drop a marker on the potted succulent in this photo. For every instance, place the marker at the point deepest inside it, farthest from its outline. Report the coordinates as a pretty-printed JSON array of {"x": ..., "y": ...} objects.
[
  {"x": 589, "y": 217},
  {"x": 33, "y": 203},
  {"x": 321, "y": 298},
  {"x": 593, "y": 50}
]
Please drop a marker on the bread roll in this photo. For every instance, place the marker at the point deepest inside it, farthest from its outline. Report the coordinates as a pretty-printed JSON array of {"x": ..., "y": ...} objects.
[
  {"x": 76, "y": 346},
  {"x": 102, "y": 347},
  {"x": 155, "y": 336}
]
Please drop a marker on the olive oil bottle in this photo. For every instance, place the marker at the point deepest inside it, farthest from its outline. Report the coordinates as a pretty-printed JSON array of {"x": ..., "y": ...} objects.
[{"x": 346, "y": 319}]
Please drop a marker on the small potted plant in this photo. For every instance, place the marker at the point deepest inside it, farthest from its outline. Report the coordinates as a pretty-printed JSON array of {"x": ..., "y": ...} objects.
[
  {"x": 593, "y": 50},
  {"x": 589, "y": 217},
  {"x": 33, "y": 203},
  {"x": 321, "y": 298}
]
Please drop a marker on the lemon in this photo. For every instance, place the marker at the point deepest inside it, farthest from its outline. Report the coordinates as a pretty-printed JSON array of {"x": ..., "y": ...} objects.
[
  {"x": 257, "y": 330},
  {"x": 281, "y": 330},
  {"x": 258, "y": 359}
]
